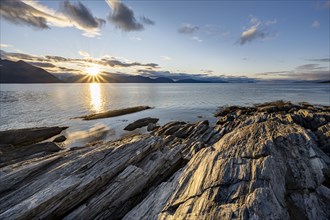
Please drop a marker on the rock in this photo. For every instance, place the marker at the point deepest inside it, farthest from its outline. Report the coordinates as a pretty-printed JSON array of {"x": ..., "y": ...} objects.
[
  {"x": 29, "y": 135},
  {"x": 114, "y": 113},
  {"x": 12, "y": 154},
  {"x": 152, "y": 127},
  {"x": 141, "y": 123},
  {"x": 59, "y": 139},
  {"x": 261, "y": 163}
]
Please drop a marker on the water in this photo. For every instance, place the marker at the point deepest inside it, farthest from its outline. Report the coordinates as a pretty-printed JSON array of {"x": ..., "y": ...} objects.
[{"x": 32, "y": 105}]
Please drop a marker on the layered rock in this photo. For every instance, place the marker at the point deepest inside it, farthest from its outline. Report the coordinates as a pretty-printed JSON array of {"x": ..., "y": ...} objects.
[{"x": 269, "y": 161}]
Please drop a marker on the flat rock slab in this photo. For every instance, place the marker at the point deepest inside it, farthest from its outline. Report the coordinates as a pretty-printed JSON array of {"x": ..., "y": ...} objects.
[
  {"x": 141, "y": 123},
  {"x": 115, "y": 113},
  {"x": 28, "y": 135}
]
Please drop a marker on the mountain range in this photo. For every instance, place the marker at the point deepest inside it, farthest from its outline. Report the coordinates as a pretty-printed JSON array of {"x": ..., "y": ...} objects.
[{"x": 22, "y": 72}]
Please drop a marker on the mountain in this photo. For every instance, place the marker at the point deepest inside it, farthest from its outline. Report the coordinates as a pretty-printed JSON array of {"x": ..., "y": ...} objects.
[
  {"x": 22, "y": 72},
  {"x": 118, "y": 78},
  {"x": 191, "y": 81}
]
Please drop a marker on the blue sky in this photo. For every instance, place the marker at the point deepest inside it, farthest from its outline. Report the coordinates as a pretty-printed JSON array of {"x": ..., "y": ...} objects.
[{"x": 255, "y": 39}]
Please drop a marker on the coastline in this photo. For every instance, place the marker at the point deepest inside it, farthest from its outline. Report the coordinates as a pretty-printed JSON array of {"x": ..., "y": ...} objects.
[{"x": 264, "y": 161}]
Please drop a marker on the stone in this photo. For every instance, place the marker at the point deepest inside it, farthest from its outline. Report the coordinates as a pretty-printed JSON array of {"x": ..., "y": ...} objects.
[
  {"x": 29, "y": 135},
  {"x": 59, "y": 139},
  {"x": 141, "y": 123}
]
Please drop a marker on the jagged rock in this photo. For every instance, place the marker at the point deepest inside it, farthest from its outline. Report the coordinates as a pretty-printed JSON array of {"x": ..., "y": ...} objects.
[
  {"x": 59, "y": 139},
  {"x": 29, "y": 135},
  {"x": 261, "y": 163},
  {"x": 141, "y": 123}
]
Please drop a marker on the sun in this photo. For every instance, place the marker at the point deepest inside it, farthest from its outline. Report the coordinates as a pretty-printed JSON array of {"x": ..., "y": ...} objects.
[{"x": 93, "y": 70}]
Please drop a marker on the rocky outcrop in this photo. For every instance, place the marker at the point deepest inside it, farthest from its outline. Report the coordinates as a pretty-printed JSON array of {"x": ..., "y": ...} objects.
[
  {"x": 115, "y": 113},
  {"x": 27, "y": 136},
  {"x": 141, "y": 123},
  {"x": 263, "y": 162},
  {"x": 22, "y": 144}
]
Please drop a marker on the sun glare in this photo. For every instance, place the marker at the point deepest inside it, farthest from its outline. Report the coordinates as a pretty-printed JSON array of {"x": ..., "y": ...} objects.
[{"x": 93, "y": 70}]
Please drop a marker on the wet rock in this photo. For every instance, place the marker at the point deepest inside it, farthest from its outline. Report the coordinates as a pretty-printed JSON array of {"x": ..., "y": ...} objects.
[
  {"x": 29, "y": 135},
  {"x": 59, "y": 139},
  {"x": 141, "y": 123},
  {"x": 115, "y": 113}
]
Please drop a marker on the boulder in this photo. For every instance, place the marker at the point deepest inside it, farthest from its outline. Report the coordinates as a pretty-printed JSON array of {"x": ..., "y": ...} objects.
[{"x": 141, "y": 123}]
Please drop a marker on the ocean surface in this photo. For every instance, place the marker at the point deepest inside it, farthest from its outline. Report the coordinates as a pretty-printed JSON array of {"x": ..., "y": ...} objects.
[{"x": 36, "y": 105}]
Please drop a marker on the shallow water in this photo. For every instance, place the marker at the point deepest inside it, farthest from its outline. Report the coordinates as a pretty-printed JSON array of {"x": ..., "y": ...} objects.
[{"x": 31, "y": 105}]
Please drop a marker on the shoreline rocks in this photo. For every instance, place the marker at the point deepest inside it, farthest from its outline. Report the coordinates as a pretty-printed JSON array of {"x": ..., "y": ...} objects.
[{"x": 262, "y": 162}]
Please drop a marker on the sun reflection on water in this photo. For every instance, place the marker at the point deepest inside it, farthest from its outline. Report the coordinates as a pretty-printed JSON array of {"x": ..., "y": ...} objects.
[{"x": 96, "y": 99}]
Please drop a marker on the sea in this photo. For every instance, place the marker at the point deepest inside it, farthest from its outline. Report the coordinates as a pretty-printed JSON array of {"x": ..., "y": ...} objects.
[{"x": 38, "y": 105}]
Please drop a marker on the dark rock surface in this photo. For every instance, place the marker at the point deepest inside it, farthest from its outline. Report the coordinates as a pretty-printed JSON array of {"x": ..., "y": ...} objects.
[
  {"x": 29, "y": 135},
  {"x": 59, "y": 139},
  {"x": 141, "y": 123},
  {"x": 115, "y": 113},
  {"x": 265, "y": 162}
]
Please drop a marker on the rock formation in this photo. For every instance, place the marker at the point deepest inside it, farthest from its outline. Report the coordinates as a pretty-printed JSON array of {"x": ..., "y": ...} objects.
[
  {"x": 141, "y": 123},
  {"x": 268, "y": 161}
]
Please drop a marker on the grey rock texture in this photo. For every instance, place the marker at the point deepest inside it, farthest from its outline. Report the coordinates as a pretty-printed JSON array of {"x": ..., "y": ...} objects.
[{"x": 269, "y": 161}]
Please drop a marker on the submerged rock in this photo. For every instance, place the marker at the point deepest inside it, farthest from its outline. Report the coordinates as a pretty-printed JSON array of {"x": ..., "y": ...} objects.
[
  {"x": 258, "y": 164},
  {"x": 141, "y": 123},
  {"x": 115, "y": 113}
]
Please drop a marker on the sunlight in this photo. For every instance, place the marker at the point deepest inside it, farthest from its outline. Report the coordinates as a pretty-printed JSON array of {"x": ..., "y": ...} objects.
[
  {"x": 96, "y": 97},
  {"x": 93, "y": 70}
]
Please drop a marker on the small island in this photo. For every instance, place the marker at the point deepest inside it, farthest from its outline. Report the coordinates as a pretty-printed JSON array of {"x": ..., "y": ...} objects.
[{"x": 268, "y": 161}]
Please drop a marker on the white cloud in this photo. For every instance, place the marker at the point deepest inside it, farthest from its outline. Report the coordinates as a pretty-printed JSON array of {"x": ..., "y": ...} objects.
[
  {"x": 166, "y": 58},
  {"x": 195, "y": 38},
  {"x": 316, "y": 24},
  {"x": 5, "y": 45},
  {"x": 83, "y": 53},
  {"x": 135, "y": 38}
]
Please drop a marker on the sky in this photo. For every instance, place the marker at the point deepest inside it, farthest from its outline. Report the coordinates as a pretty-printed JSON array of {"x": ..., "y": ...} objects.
[{"x": 231, "y": 40}]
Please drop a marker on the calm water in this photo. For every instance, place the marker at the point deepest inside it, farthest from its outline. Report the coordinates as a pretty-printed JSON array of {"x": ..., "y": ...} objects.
[{"x": 55, "y": 104}]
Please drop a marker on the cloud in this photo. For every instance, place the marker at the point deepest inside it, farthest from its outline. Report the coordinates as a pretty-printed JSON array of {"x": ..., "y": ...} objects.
[
  {"x": 310, "y": 67},
  {"x": 316, "y": 24},
  {"x": 187, "y": 29},
  {"x": 83, "y": 53},
  {"x": 18, "y": 12},
  {"x": 320, "y": 60},
  {"x": 123, "y": 17},
  {"x": 195, "y": 38},
  {"x": 38, "y": 16},
  {"x": 251, "y": 34},
  {"x": 166, "y": 58},
  {"x": 5, "y": 45},
  {"x": 82, "y": 17},
  {"x": 303, "y": 72},
  {"x": 147, "y": 21},
  {"x": 270, "y": 22},
  {"x": 135, "y": 38},
  {"x": 117, "y": 63},
  {"x": 42, "y": 64}
]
